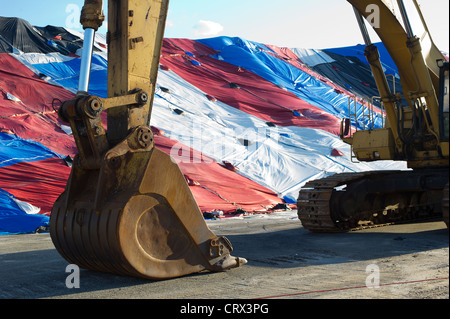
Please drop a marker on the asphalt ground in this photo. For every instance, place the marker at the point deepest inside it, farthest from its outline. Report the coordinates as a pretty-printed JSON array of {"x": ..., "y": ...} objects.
[{"x": 285, "y": 262}]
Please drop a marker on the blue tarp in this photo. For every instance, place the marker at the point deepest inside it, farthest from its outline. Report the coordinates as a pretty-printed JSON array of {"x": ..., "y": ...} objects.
[
  {"x": 253, "y": 57},
  {"x": 14, "y": 150},
  {"x": 13, "y": 220},
  {"x": 358, "y": 51},
  {"x": 67, "y": 74}
]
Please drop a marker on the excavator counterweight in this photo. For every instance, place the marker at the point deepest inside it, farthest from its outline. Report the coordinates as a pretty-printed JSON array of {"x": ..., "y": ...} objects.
[{"x": 127, "y": 208}]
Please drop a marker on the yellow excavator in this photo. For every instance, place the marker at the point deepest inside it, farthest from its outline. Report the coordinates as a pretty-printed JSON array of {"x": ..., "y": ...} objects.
[
  {"x": 416, "y": 131},
  {"x": 127, "y": 208}
]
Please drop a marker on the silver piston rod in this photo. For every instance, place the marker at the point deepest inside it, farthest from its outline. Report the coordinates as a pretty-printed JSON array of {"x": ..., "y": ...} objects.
[
  {"x": 86, "y": 61},
  {"x": 362, "y": 27}
]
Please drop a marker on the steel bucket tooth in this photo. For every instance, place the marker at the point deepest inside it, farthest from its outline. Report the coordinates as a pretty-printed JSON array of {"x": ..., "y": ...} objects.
[{"x": 140, "y": 219}]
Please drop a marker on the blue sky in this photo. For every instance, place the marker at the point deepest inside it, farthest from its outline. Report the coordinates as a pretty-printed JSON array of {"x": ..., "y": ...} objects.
[{"x": 292, "y": 23}]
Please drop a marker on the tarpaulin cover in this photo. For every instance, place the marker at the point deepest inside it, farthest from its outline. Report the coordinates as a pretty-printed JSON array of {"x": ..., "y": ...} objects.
[
  {"x": 258, "y": 59},
  {"x": 292, "y": 56},
  {"x": 65, "y": 41},
  {"x": 38, "y": 183},
  {"x": 31, "y": 173},
  {"x": 65, "y": 71},
  {"x": 31, "y": 115},
  {"x": 23, "y": 36},
  {"x": 312, "y": 57},
  {"x": 15, "y": 150},
  {"x": 348, "y": 67},
  {"x": 358, "y": 51},
  {"x": 5, "y": 47},
  {"x": 14, "y": 220},
  {"x": 216, "y": 188},
  {"x": 243, "y": 89},
  {"x": 248, "y": 123}
]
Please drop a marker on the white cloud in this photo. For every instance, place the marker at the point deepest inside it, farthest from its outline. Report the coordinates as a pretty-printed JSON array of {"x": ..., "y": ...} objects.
[
  {"x": 169, "y": 23},
  {"x": 207, "y": 28}
]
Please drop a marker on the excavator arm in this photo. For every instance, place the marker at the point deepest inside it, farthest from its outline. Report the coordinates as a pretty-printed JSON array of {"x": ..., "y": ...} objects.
[
  {"x": 414, "y": 130},
  {"x": 127, "y": 208}
]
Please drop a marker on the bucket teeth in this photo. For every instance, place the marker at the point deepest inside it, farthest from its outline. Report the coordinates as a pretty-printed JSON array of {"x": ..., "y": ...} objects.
[{"x": 219, "y": 252}]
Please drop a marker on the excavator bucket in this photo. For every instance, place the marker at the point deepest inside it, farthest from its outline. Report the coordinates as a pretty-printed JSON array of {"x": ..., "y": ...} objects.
[
  {"x": 127, "y": 208},
  {"x": 136, "y": 216}
]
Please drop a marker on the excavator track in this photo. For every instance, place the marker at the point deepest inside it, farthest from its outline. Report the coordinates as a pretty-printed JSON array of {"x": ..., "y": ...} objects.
[
  {"x": 354, "y": 201},
  {"x": 314, "y": 203}
]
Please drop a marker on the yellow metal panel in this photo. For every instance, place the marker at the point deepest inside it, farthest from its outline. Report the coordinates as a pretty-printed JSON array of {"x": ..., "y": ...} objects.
[{"x": 374, "y": 145}]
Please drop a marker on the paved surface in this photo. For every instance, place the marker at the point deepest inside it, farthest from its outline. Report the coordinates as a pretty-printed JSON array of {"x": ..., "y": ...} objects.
[{"x": 285, "y": 261}]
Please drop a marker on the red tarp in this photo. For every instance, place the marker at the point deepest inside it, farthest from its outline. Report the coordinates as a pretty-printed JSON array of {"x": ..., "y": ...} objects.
[
  {"x": 218, "y": 187},
  {"x": 33, "y": 116},
  {"x": 38, "y": 183}
]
